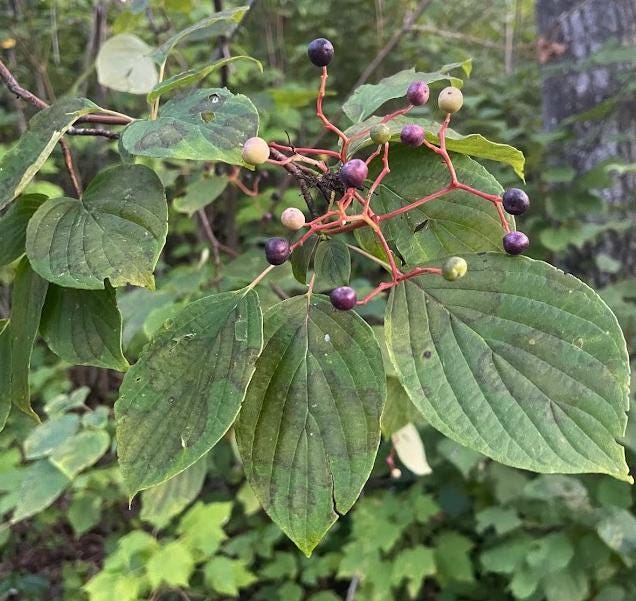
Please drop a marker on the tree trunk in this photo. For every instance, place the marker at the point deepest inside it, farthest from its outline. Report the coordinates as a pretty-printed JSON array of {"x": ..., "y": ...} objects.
[{"x": 574, "y": 81}]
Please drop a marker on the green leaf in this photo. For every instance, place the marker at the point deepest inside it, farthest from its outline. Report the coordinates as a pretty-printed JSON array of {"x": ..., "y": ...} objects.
[
  {"x": 199, "y": 194},
  {"x": 214, "y": 25},
  {"x": 516, "y": 360},
  {"x": 227, "y": 576},
  {"x": 115, "y": 232},
  {"x": 124, "y": 64},
  {"x": 84, "y": 327},
  {"x": 47, "y": 437},
  {"x": 366, "y": 99},
  {"x": 309, "y": 428},
  {"x": 452, "y": 557},
  {"x": 42, "y": 485},
  {"x": 474, "y": 145},
  {"x": 24, "y": 159},
  {"x": 185, "y": 391},
  {"x": 13, "y": 226},
  {"x": 501, "y": 519},
  {"x": 172, "y": 564},
  {"x": 208, "y": 124},
  {"x": 398, "y": 410},
  {"x": 301, "y": 258},
  {"x": 192, "y": 76},
  {"x": 617, "y": 529},
  {"x": 202, "y": 526},
  {"x": 453, "y": 224},
  {"x": 79, "y": 452},
  {"x": 84, "y": 512},
  {"x": 159, "y": 504},
  {"x": 414, "y": 565},
  {"x": 332, "y": 264},
  {"x": 16, "y": 341},
  {"x": 570, "y": 583}
]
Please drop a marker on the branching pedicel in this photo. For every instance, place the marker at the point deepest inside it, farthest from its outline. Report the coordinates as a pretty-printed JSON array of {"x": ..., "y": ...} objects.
[{"x": 353, "y": 172}]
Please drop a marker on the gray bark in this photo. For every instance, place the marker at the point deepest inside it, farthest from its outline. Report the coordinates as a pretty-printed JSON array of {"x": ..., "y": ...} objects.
[{"x": 571, "y": 33}]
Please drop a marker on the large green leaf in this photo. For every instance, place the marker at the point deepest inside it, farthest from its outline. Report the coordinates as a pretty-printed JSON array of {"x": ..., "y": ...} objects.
[
  {"x": 192, "y": 76},
  {"x": 124, "y": 64},
  {"x": 369, "y": 97},
  {"x": 115, "y": 232},
  {"x": 13, "y": 226},
  {"x": 474, "y": 145},
  {"x": 186, "y": 389},
  {"x": 516, "y": 360},
  {"x": 208, "y": 124},
  {"x": 16, "y": 341},
  {"x": 309, "y": 428},
  {"x": 84, "y": 327},
  {"x": 22, "y": 161},
  {"x": 212, "y": 26},
  {"x": 456, "y": 223}
]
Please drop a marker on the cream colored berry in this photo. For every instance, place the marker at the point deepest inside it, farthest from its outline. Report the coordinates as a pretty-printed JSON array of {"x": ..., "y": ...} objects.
[
  {"x": 255, "y": 151},
  {"x": 454, "y": 268},
  {"x": 292, "y": 218},
  {"x": 450, "y": 99}
]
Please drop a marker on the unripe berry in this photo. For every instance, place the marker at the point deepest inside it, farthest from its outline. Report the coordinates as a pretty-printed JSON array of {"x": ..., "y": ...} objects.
[
  {"x": 380, "y": 133},
  {"x": 515, "y": 243},
  {"x": 277, "y": 251},
  {"x": 343, "y": 298},
  {"x": 412, "y": 135},
  {"x": 353, "y": 173},
  {"x": 255, "y": 151},
  {"x": 417, "y": 93},
  {"x": 454, "y": 268},
  {"x": 320, "y": 52},
  {"x": 396, "y": 473},
  {"x": 515, "y": 201},
  {"x": 450, "y": 99},
  {"x": 292, "y": 218}
]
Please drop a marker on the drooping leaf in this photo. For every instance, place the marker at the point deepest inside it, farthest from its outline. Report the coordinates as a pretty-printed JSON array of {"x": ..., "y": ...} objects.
[
  {"x": 124, "y": 63},
  {"x": 453, "y": 224},
  {"x": 13, "y": 226},
  {"x": 22, "y": 161},
  {"x": 309, "y": 429},
  {"x": 301, "y": 258},
  {"x": 79, "y": 452},
  {"x": 16, "y": 341},
  {"x": 186, "y": 389},
  {"x": 208, "y": 124},
  {"x": 192, "y": 76},
  {"x": 115, "y": 232},
  {"x": 474, "y": 145},
  {"x": 516, "y": 360},
  {"x": 332, "y": 264},
  {"x": 214, "y": 25},
  {"x": 369, "y": 97},
  {"x": 199, "y": 194},
  {"x": 83, "y": 327},
  {"x": 42, "y": 485}
]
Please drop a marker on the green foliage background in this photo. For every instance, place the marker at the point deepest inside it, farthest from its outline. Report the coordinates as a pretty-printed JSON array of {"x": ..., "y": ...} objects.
[{"x": 472, "y": 529}]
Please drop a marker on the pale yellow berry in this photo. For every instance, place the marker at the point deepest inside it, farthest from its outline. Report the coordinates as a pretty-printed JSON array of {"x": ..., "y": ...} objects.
[
  {"x": 255, "y": 151},
  {"x": 292, "y": 218},
  {"x": 454, "y": 268},
  {"x": 396, "y": 473},
  {"x": 450, "y": 99}
]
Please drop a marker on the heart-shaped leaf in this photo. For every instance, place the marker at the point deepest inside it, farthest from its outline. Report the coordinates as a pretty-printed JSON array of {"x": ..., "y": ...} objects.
[
  {"x": 516, "y": 360},
  {"x": 455, "y": 223},
  {"x": 115, "y": 232},
  {"x": 13, "y": 226},
  {"x": 209, "y": 124},
  {"x": 22, "y": 161},
  {"x": 83, "y": 327},
  {"x": 124, "y": 64},
  {"x": 309, "y": 427},
  {"x": 186, "y": 389}
]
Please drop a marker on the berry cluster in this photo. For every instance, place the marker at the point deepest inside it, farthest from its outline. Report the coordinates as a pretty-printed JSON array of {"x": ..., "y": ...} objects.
[{"x": 353, "y": 173}]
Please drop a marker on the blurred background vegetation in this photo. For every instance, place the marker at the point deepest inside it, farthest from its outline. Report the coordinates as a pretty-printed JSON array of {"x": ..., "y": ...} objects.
[{"x": 554, "y": 78}]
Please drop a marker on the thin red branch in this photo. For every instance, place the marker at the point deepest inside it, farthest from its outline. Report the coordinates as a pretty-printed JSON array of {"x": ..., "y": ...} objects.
[{"x": 70, "y": 167}]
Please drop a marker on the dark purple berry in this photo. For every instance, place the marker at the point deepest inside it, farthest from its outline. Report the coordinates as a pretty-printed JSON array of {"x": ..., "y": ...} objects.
[
  {"x": 515, "y": 201},
  {"x": 412, "y": 135},
  {"x": 277, "y": 251},
  {"x": 515, "y": 243},
  {"x": 343, "y": 298},
  {"x": 417, "y": 93},
  {"x": 353, "y": 173},
  {"x": 320, "y": 52}
]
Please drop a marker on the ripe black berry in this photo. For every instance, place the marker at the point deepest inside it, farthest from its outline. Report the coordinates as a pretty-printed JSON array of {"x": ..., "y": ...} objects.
[
  {"x": 515, "y": 243},
  {"x": 343, "y": 298},
  {"x": 353, "y": 173},
  {"x": 417, "y": 93},
  {"x": 412, "y": 135},
  {"x": 277, "y": 251},
  {"x": 515, "y": 201},
  {"x": 320, "y": 52}
]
